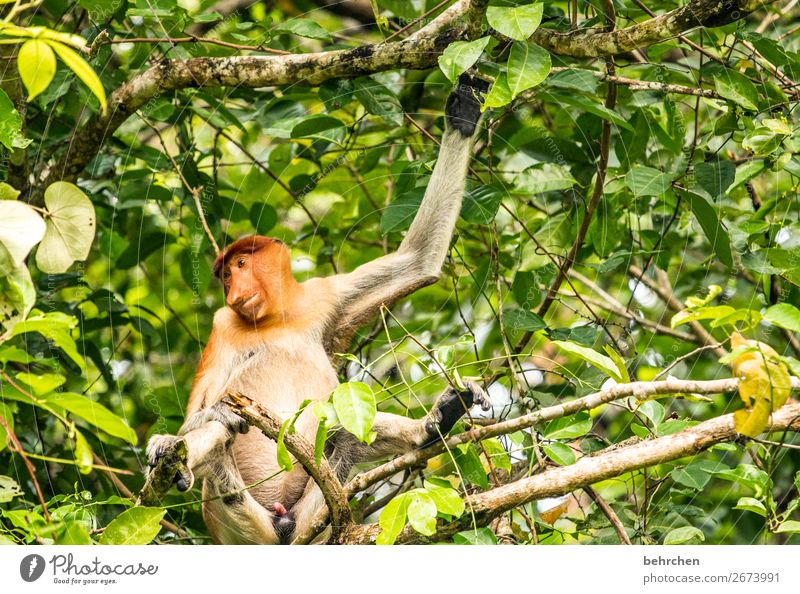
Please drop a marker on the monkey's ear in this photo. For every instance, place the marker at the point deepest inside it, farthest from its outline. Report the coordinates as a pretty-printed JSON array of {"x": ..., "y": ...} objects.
[{"x": 463, "y": 109}]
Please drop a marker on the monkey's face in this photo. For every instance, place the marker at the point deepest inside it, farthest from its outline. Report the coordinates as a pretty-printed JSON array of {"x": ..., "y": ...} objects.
[{"x": 256, "y": 284}]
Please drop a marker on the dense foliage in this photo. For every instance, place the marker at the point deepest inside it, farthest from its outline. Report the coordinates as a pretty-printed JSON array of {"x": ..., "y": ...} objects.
[{"x": 598, "y": 204}]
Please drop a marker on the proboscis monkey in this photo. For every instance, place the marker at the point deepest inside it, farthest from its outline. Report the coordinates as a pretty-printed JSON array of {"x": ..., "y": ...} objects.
[{"x": 274, "y": 342}]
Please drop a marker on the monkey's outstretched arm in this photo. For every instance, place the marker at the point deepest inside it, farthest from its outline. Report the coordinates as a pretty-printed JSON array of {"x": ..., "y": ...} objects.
[{"x": 418, "y": 261}]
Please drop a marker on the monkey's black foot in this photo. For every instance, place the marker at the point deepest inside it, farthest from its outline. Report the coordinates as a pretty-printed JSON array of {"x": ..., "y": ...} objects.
[
  {"x": 166, "y": 454},
  {"x": 451, "y": 406},
  {"x": 463, "y": 109},
  {"x": 220, "y": 413}
]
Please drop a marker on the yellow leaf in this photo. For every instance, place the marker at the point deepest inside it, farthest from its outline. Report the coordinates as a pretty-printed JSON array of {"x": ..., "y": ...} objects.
[
  {"x": 37, "y": 66},
  {"x": 764, "y": 387},
  {"x": 81, "y": 69}
]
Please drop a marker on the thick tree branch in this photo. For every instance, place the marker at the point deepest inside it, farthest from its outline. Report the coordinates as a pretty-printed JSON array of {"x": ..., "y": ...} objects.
[
  {"x": 322, "y": 474},
  {"x": 595, "y": 42},
  {"x": 587, "y": 471}
]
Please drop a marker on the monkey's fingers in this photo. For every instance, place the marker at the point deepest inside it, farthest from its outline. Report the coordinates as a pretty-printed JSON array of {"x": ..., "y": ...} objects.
[{"x": 479, "y": 395}]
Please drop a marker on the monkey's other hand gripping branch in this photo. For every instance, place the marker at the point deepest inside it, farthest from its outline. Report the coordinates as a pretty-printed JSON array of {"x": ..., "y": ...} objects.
[
  {"x": 450, "y": 407},
  {"x": 174, "y": 460}
]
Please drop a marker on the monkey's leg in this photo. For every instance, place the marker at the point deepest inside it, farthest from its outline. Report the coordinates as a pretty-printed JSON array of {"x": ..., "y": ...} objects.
[{"x": 232, "y": 515}]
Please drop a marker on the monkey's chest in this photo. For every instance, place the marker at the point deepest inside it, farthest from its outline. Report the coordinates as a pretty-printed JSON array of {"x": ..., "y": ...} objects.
[{"x": 282, "y": 373}]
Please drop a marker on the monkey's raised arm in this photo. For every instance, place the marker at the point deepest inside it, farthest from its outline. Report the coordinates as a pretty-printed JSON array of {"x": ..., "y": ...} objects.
[{"x": 418, "y": 261}]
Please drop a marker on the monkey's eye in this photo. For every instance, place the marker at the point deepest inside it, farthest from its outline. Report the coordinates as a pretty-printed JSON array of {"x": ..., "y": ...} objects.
[
  {"x": 241, "y": 262},
  {"x": 226, "y": 274}
]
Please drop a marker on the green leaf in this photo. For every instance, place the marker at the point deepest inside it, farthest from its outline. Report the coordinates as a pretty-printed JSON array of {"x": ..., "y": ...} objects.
[
  {"x": 11, "y": 135},
  {"x": 8, "y": 192},
  {"x": 82, "y": 70},
  {"x": 83, "y": 453},
  {"x": 603, "y": 363},
  {"x": 421, "y": 512},
  {"x": 519, "y": 319},
  {"x": 619, "y": 362},
  {"x": 399, "y": 214},
  {"x": 9, "y": 488},
  {"x": 303, "y": 28},
  {"x": 263, "y": 217},
  {"x": 70, "y": 231},
  {"x": 653, "y": 410},
  {"x": 470, "y": 466},
  {"x": 499, "y": 95},
  {"x": 94, "y": 413},
  {"x": 646, "y": 181},
  {"x": 378, "y": 100},
  {"x": 569, "y": 427},
  {"x": 789, "y": 526},
  {"x": 518, "y": 22},
  {"x": 545, "y": 177},
  {"x": 460, "y": 56},
  {"x": 498, "y": 457},
  {"x": 356, "y": 408},
  {"x": 715, "y": 232},
  {"x": 753, "y": 505},
  {"x": 21, "y": 228},
  {"x": 685, "y": 535},
  {"x": 7, "y": 413},
  {"x": 737, "y": 88},
  {"x": 559, "y": 453},
  {"x": 478, "y": 536},
  {"x": 447, "y": 500},
  {"x": 526, "y": 292},
  {"x": 715, "y": 177},
  {"x": 284, "y": 459},
  {"x": 323, "y": 127},
  {"x": 393, "y": 518},
  {"x": 134, "y": 526},
  {"x": 528, "y": 65},
  {"x": 36, "y": 63},
  {"x": 44, "y": 383},
  {"x": 74, "y": 533},
  {"x": 54, "y": 326},
  {"x": 481, "y": 204},
  {"x": 692, "y": 476},
  {"x": 593, "y": 107},
  {"x": 703, "y": 313},
  {"x": 783, "y": 315}
]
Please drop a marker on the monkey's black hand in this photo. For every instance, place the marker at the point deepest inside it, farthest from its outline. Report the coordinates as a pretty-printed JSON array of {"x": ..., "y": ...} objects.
[
  {"x": 463, "y": 109},
  {"x": 220, "y": 413},
  {"x": 451, "y": 406},
  {"x": 168, "y": 453}
]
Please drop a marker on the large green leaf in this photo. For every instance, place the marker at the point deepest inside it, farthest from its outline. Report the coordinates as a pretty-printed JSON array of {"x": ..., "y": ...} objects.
[
  {"x": 602, "y": 362},
  {"x": 70, "y": 231},
  {"x": 517, "y": 22},
  {"x": 393, "y": 519},
  {"x": 94, "y": 413},
  {"x": 356, "y": 409},
  {"x": 738, "y": 88},
  {"x": 21, "y": 228},
  {"x": 707, "y": 217},
  {"x": 11, "y": 135},
  {"x": 528, "y": 65},
  {"x": 646, "y": 181},
  {"x": 460, "y": 56},
  {"x": 134, "y": 526}
]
